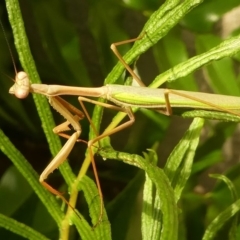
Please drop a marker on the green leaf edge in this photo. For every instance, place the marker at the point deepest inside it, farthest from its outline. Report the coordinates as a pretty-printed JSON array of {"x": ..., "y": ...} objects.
[{"x": 20, "y": 228}]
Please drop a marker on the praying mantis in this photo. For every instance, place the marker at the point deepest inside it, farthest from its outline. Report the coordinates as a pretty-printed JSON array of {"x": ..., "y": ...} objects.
[
  {"x": 172, "y": 107},
  {"x": 123, "y": 98}
]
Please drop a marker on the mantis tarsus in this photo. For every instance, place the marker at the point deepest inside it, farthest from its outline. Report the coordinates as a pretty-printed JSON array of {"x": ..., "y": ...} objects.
[{"x": 124, "y": 98}]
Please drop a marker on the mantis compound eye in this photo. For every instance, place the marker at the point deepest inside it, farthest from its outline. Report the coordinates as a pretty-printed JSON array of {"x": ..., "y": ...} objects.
[{"x": 21, "y": 86}]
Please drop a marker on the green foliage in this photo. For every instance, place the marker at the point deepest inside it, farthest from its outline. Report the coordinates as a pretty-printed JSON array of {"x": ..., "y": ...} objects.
[{"x": 69, "y": 42}]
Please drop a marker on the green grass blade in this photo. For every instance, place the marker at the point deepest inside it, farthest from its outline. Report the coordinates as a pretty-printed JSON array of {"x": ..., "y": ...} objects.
[
  {"x": 120, "y": 211},
  {"x": 43, "y": 108},
  {"x": 159, "y": 24},
  {"x": 41, "y": 103},
  {"x": 227, "y": 48},
  {"x": 156, "y": 27},
  {"x": 229, "y": 184},
  {"x": 164, "y": 190},
  {"x": 221, "y": 220},
  {"x": 101, "y": 229},
  {"x": 31, "y": 176},
  {"x": 179, "y": 165},
  {"x": 20, "y": 228},
  {"x": 151, "y": 213},
  {"x": 234, "y": 193}
]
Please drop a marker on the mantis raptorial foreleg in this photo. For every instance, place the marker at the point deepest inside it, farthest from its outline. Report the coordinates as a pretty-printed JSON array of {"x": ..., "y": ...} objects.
[
  {"x": 69, "y": 112},
  {"x": 60, "y": 105},
  {"x": 72, "y": 116}
]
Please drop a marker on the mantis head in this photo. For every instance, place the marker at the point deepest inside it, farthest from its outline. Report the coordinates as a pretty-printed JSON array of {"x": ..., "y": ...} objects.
[{"x": 21, "y": 86}]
